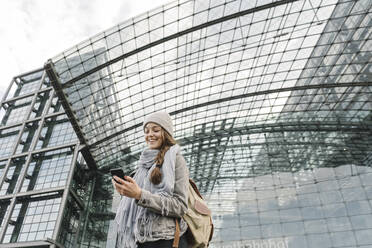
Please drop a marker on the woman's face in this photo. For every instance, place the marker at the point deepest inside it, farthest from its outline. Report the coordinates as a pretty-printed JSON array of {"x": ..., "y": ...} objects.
[{"x": 153, "y": 135}]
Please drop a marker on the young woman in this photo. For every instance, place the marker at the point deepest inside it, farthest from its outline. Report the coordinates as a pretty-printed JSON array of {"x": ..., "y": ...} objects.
[{"x": 157, "y": 195}]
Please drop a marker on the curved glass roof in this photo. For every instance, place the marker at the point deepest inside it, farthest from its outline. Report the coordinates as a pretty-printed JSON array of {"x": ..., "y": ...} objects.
[{"x": 265, "y": 95}]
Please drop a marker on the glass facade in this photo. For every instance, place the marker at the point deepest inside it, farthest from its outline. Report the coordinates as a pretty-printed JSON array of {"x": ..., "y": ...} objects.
[
  {"x": 49, "y": 197},
  {"x": 272, "y": 105}
]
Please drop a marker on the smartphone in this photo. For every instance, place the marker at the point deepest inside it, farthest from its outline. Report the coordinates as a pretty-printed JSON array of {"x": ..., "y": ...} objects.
[{"x": 117, "y": 172}]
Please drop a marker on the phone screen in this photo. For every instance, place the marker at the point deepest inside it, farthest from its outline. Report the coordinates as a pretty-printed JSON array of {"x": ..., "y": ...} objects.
[{"x": 117, "y": 172}]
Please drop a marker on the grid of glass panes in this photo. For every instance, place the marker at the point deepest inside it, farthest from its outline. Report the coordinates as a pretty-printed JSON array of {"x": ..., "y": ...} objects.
[
  {"x": 56, "y": 131},
  {"x": 8, "y": 139},
  {"x": 28, "y": 136},
  {"x": 325, "y": 207},
  {"x": 17, "y": 111},
  {"x": 32, "y": 220},
  {"x": 211, "y": 70},
  {"x": 55, "y": 106},
  {"x": 12, "y": 176},
  {"x": 48, "y": 170},
  {"x": 40, "y": 104},
  {"x": 25, "y": 84}
]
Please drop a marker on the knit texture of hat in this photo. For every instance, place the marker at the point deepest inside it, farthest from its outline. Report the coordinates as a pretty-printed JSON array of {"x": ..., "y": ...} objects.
[{"x": 161, "y": 118}]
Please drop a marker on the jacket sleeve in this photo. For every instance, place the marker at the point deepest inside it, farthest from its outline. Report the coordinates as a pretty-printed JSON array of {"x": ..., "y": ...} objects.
[{"x": 172, "y": 206}]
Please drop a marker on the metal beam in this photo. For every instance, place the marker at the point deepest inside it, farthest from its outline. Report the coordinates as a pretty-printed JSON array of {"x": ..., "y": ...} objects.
[
  {"x": 27, "y": 95},
  {"x": 32, "y": 120},
  {"x": 329, "y": 126},
  {"x": 36, "y": 244},
  {"x": 249, "y": 95},
  {"x": 65, "y": 195},
  {"x": 33, "y": 192},
  {"x": 47, "y": 149},
  {"x": 50, "y": 70}
]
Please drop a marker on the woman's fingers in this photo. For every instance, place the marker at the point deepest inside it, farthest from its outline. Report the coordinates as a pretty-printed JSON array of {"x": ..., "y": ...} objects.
[
  {"x": 127, "y": 187},
  {"x": 129, "y": 179},
  {"x": 119, "y": 180}
]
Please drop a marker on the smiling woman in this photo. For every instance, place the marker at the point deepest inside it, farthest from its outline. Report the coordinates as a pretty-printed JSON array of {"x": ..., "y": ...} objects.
[{"x": 157, "y": 195}]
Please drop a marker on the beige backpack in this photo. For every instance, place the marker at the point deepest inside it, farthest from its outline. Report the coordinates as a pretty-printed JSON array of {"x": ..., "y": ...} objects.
[{"x": 198, "y": 218}]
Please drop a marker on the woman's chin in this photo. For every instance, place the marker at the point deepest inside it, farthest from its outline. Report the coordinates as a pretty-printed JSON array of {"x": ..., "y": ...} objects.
[{"x": 153, "y": 146}]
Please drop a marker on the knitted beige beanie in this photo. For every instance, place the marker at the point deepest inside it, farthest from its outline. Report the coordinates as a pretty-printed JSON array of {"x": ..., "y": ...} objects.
[{"x": 161, "y": 118}]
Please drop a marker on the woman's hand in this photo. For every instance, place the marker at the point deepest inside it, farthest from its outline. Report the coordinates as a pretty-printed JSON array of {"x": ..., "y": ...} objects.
[{"x": 127, "y": 187}]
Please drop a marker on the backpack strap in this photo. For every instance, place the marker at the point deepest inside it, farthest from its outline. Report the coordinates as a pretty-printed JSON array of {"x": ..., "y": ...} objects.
[{"x": 176, "y": 235}]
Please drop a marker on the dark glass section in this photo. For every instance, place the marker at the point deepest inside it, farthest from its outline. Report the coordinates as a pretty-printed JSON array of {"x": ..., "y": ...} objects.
[
  {"x": 28, "y": 136},
  {"x": 4, "y": 205},
  {"x": 86, "y": 220},
  {"x": 12, "y": 176},
  {"x": 40, "y": 103},
  {"x": 70, "y": 226},
  {"x": 90, "y": 215}
]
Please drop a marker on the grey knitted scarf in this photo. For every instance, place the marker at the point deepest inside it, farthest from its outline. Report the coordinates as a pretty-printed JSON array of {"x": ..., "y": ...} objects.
[{"x": 132, "y": 218}]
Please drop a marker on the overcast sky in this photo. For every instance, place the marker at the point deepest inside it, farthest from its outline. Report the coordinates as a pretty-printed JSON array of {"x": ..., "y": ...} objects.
[{"x": 31, "y": 31}]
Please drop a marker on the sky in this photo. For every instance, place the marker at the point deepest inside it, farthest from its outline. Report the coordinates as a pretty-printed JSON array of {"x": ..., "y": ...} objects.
[{"x": 32, "y": 31}]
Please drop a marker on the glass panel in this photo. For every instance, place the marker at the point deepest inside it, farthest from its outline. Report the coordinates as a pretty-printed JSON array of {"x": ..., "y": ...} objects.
[
  {"x": 4, "y": 205},
  {"x": 96, "y": 192},
  {"x": 57, "y": 130},
  {"x": 56, "y": 106},
  {"x": 14, "y": 87},
  {"x": 48, "y": 170},
  {"x": 8, "y": 138},
  {"x": 33, "y": 219},
  {"x": 28, "y": 136},
  {"x": 2, "y": 167},
  {"x": 40, "y": 103},
  {"x": 12, "y": 176},
  {"x": 16, "y": 111},
  {"x": 71, "y": 223},
  {"x": 25, "y": 84}
]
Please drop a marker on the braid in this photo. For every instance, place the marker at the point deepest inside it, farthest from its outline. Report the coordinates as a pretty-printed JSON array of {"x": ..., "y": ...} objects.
[{"x": 167, "y": 142}]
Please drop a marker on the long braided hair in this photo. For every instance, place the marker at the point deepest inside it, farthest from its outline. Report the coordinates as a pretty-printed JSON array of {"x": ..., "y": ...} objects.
[{"x": 167, "y": 142}]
